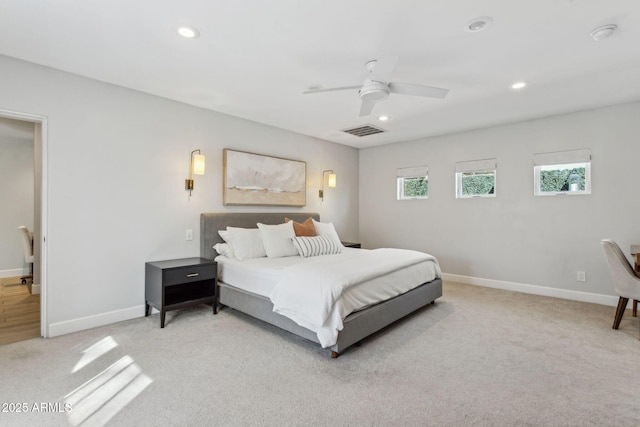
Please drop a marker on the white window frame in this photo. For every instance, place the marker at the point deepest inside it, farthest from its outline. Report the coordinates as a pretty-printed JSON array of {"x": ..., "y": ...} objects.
[
  {"x": 476, "y": 167},
  {"x": 412, "y": 172},
  {"x": 562, "y": 160}
]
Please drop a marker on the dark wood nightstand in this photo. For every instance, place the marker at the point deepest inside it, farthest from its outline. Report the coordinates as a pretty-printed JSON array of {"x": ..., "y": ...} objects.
[
  {"x": 351, "y": 245},
  {"x": 179, "y": 283}
]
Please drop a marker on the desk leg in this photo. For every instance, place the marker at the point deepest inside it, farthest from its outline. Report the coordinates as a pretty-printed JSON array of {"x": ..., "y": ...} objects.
[{"x": 634, "y": 312}]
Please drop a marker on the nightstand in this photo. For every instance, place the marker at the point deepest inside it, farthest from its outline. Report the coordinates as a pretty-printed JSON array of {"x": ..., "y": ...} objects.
[
  {"x": 179, "y": 283},
  {"x": 351, "y": 245}
]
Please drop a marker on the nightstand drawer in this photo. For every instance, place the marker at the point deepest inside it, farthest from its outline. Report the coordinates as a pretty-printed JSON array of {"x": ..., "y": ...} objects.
[{"x": 188, "y": 274}]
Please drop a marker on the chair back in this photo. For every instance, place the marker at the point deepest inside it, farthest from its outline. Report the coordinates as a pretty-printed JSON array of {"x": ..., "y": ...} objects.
[
  {"x": 625, "y": 281},
  {"x": 27, "y": 243}
]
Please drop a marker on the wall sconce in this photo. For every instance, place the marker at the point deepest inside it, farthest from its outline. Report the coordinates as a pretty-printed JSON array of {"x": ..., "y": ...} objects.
[
  {"x": 196, "y": 167},
  {"x": 331, "y": 182}
]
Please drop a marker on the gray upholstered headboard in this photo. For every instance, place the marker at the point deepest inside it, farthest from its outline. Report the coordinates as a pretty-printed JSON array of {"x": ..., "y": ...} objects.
[{"x": 210, "y": 223}]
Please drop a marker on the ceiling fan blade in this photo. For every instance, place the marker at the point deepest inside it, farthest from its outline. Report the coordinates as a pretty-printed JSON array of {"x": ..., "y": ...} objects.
[
  {"x": 417, "y": 90},
  {"x": 331, "y": 89},
  {"x": 366, "y": 108},
  {"x": 383, "y": 68}
]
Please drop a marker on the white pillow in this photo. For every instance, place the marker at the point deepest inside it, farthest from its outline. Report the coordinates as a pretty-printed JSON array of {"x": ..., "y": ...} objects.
[
  {"x": 224, "y": 249},
  {"x": 316, "y": 245},
  {"x": 246, "y": 243},
  {"x": 326, "y": 229},
  {"x": 277, "y": 239}
]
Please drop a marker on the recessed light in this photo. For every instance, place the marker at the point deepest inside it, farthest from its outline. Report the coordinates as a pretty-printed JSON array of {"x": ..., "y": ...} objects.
[
  {"x": 603, "y": 32},
  {"x": 518, "y": 85},
  {"x": 383, "y": 118},
  {"x": 478, "y": 24},
  {"x": 188, "y": 32}
]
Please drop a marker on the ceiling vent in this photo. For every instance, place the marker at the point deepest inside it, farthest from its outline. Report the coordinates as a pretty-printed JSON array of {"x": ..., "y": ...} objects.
[{"x": 365, "y": 130}]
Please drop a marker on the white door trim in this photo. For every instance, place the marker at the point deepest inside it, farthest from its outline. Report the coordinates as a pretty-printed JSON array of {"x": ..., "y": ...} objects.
[{"x": 44, "y": 207}]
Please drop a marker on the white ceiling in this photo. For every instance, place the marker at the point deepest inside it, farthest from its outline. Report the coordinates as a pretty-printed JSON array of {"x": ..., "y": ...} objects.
[{"x": 253, "y": 59}]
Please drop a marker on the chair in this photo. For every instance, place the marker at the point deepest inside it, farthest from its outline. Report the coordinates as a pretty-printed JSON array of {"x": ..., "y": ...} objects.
[
  {"x": 27, "y": 243},
  {"x": 625, "y": 281}
]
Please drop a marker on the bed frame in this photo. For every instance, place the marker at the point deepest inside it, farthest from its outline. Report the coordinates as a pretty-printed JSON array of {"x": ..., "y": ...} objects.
[{"x": 357, "y": 326}]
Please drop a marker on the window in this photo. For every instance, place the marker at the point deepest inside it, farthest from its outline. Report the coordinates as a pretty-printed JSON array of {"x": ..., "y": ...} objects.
[
  {"x": 563, "y": 172},
  {"x": 476, "y": 178},
  {"x": 413, "y": 183}
]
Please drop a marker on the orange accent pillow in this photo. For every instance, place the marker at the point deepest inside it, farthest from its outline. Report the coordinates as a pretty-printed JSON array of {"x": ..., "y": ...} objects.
[{"x": 303, "y": 229}]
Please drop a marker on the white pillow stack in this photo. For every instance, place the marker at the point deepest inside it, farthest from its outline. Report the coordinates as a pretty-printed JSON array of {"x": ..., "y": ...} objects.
[
  {"x": 326, "y": 229},
  {"x": 246, "y": 242},
  {"x": 277, "y": 239},
  {"x": 224, "y": 249}
]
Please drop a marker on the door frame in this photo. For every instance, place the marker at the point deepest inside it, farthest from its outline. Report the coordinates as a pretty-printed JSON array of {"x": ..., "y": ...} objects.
[{"x": 40, "y": 148}]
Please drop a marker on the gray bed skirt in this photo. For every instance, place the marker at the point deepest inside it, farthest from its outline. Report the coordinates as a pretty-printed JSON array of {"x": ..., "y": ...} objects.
[{"x": 357, "y": 326}]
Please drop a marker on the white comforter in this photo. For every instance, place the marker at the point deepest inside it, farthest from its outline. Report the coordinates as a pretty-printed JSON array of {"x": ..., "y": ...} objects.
[{"x": 309, "y": 293}]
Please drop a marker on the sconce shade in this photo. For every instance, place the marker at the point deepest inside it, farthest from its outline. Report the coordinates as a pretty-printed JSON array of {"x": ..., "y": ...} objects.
[
  {"x": 331, "y": 183},
  {"x": 196, "y": 167},
  {"x": 198, "y": 164}
]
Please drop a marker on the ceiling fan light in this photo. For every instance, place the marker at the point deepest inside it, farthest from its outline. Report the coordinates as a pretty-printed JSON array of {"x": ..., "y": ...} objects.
[
  {"x": 603, "y": 32},
  {"x": 373, "y": 91},
  {"x": 188, "y": 32},
  {"x": 478, "y": 24}
]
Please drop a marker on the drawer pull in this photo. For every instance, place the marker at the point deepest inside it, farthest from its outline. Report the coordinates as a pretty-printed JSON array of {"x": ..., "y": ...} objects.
[{"x": 193, "y": 275}]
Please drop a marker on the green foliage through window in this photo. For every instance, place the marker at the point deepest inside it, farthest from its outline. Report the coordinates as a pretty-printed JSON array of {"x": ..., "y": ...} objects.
[
  {"x": 478, "y": 183},
  {"x": 413, "y": 187},
  {"x": 560, "y": 179}
]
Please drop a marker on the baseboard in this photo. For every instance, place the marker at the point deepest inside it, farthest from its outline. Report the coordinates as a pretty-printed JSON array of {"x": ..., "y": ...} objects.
[
  {"x": 102, "y": 319},
  {"x": 35, "y": 288},
  {"x": 80, "y": 324},
  {"x": 609, "y": 300},
  {"x": 16, "y": 272}
]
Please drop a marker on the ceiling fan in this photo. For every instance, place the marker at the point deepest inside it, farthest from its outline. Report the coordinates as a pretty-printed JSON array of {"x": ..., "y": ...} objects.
[{"x": 377, "y": 87}]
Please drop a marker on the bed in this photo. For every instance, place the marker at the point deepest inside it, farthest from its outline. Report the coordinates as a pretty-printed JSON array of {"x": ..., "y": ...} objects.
[{"x": 247, "y": 297}]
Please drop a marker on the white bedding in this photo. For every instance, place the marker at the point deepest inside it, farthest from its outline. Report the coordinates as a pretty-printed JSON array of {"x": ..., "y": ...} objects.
[
  {"x": 319, "y": 292},
  {"x": 256, "y": 275}
]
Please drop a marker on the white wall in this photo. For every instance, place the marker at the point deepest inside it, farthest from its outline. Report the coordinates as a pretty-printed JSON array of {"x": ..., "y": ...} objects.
[
  {"x": 117, "y": 161},
  {"x": 16, "y": 192},
  {"x": 515, "y": 239}
]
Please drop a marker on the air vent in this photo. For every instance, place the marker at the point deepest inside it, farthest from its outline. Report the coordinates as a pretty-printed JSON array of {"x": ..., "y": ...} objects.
[{"x": 365, "y": 130}]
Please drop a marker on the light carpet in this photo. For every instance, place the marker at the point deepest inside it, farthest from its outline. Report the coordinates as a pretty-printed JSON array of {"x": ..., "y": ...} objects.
[{"x": 478, "y": 357}]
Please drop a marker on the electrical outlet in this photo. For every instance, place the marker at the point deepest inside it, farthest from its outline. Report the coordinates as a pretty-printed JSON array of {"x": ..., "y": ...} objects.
[
  {"x": 581, "y": 276},
  {"x": 189, "y": 234}
]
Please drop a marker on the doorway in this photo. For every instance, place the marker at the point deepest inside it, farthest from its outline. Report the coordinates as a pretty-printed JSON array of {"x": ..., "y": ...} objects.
[{"x": 23, "y": 151}]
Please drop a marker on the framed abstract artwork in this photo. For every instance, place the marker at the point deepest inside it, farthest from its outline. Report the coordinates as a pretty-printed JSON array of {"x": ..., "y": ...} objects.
[{"x": 257, "y": 179}]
